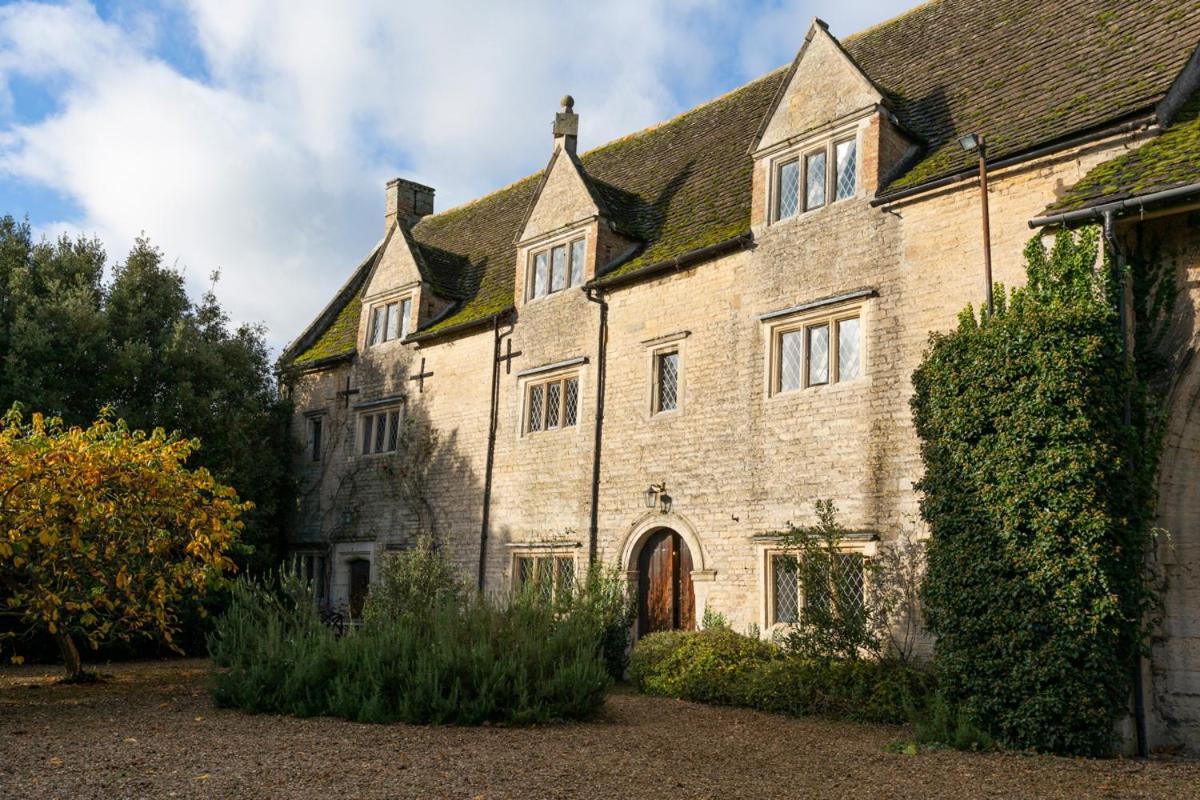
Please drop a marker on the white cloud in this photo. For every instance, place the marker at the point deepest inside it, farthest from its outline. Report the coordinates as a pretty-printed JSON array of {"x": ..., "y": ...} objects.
[{"x": 270, "y": 166}]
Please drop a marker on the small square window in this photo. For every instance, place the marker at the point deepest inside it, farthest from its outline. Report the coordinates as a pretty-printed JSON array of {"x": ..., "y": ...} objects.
[
  {"x": 846, "y": 154},
  {"x": 814, "y": 180},
  {"x": 788, "y": 189}
]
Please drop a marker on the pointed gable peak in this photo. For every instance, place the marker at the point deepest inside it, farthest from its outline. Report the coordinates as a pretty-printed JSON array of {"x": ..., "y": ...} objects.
[
  {"x": 565, "y": 194},
  {"x": 823, "y": 84}
]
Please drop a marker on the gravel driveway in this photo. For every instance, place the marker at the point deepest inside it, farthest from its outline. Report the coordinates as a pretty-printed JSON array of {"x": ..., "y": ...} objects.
[{"x": 152, "y": 732}]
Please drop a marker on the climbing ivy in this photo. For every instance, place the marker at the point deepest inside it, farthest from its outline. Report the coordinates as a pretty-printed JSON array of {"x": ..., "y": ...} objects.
[{"x": 1039, "y": 498}]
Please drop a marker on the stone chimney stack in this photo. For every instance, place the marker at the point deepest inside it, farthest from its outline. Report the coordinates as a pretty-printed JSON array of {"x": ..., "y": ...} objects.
[
  {"x": 407, "y": 201},
  {"x": 566, "y": 126}
]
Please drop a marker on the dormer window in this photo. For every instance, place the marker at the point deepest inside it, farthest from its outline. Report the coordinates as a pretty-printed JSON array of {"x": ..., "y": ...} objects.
[
  {"x": 810, "y": 170},
  {"x": 389, "y": 321},
  {"x": 556, "y": 268}
]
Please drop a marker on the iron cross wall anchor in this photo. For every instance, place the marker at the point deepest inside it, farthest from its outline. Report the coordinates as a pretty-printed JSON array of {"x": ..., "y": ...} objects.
[
  {"x": 508, "y": 356},
  {"x": 421, "y": 376}
]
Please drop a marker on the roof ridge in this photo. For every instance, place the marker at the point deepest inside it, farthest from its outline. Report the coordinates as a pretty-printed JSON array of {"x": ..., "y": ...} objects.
[
  {"x": 889, "y": 21},
  {"x": 612, "y": 142}
]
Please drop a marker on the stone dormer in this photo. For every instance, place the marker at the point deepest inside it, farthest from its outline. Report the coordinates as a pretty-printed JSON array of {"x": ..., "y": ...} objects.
[
  {"x": 828, "y": 136},
  {"x": 568, "y": 232},
  {"x": 397, "y": 296}
]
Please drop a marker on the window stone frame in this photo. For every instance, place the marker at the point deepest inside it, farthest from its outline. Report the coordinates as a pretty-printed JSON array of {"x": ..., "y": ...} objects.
[
  {"x": 826, "y": 141},
  {"x": 802, "y": 320}
]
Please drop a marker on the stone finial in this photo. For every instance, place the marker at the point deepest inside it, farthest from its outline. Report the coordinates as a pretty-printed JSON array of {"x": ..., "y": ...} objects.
[{"x": 566, "y": 125}]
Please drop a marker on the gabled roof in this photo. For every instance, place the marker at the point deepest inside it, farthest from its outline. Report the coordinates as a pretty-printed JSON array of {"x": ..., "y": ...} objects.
[
  {"x": 1169, "y": 161},
  {"x": 1025, "y": 73}
]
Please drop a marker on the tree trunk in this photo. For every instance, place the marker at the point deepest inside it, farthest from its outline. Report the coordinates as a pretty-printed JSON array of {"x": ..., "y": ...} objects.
[{"x": 70, "y": 656}]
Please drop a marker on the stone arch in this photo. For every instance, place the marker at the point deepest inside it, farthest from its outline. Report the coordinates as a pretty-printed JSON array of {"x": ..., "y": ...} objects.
[{"x": 651, "y": 521}]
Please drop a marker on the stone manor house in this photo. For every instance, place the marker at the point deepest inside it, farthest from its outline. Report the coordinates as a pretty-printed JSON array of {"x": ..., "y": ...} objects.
[{"x": 657, "y": 353}]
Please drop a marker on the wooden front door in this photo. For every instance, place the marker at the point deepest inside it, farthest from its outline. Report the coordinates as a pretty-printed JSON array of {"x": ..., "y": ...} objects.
[
  {"x": 360, "y": 584},
  {"x": 665, "y": 598}
]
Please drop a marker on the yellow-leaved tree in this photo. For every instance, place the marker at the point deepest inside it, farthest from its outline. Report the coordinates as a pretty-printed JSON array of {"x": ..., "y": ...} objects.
[{"x": 104, "y": 531}]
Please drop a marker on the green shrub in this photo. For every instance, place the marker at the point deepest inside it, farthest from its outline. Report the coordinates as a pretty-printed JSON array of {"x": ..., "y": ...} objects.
[
  {"x": 861, "y": 690},
  {"x": 411, "y": 582},
  {"x": 720, "y": 666},
  {"x": 706, "y": 666},
  {"x": 943, "y": 725},
  {"x": 604, "y": 598},
  {"x": 457, "y": 660},
  {"x": 1038, "y": 498},
  {"x": 651, "y": 651}
]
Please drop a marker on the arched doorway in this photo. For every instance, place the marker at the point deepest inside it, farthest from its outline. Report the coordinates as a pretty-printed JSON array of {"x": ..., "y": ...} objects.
[{"x": 666, "y": 600}]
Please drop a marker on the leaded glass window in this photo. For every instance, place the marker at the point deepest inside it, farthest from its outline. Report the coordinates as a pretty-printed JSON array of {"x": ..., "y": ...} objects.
[
  {"x": 785, "y": 592},
  {"x": 558, "y": 268},
  {"x": 381, "y": 431},
  {"x": 846, "y": 154},
  {"x": 814, "y": 180},
  {"x": 393, "y": 320},
  {"x": 668, "y": 381},
  {"x": 578, "y": 254},
  {"x": 536, "y": 405},
  {"x": 548, "y": 576},
  {"x": 788, "y": 190},
  {"x": 541, "y": 274},
  {"x": 553, "y": 404},
  {"x": 843, "y": 580},
  {"x": 570, "y": 401},
  {"x": 849, "y": 349},
  {"x": 405, "y": 314},
  {"x": 816, "y": 352},
  {"x": 818, "y": 355},
  {"x": 378, "y": 324},
  {"x": 791, "y": 345},
  {"x": 393, "y": 439}
]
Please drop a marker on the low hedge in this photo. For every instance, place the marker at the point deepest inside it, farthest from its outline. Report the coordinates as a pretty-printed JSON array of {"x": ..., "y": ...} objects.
[{"x": 723, "y": 667}]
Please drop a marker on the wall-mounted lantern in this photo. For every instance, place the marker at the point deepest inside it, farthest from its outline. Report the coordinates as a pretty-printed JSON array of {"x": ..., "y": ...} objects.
[{"x": 656, "y": 496}]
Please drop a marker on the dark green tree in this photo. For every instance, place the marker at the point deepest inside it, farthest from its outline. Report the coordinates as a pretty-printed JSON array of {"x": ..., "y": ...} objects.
[{"x": 72, "y": 342}]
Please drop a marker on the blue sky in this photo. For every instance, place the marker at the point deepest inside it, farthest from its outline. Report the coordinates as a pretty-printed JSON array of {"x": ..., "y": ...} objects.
[{"x": 255, "y": 137}]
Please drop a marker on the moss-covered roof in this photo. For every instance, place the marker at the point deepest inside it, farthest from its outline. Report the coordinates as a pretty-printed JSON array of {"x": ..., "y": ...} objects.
[
  {"x": 1168, "y": 161},
  {"x": 1022, "y": 72}
]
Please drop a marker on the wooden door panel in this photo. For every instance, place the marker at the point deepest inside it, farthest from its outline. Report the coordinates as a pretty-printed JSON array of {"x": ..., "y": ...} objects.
[
  {"x": 657, "y": 600},
  {"x": 687, "y": 598}
]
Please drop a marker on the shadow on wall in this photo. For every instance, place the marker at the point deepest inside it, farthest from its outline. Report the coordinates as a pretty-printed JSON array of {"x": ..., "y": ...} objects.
[
  {"x": 420, "y": 481},
  {"x": 1174, "y": 251}
]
